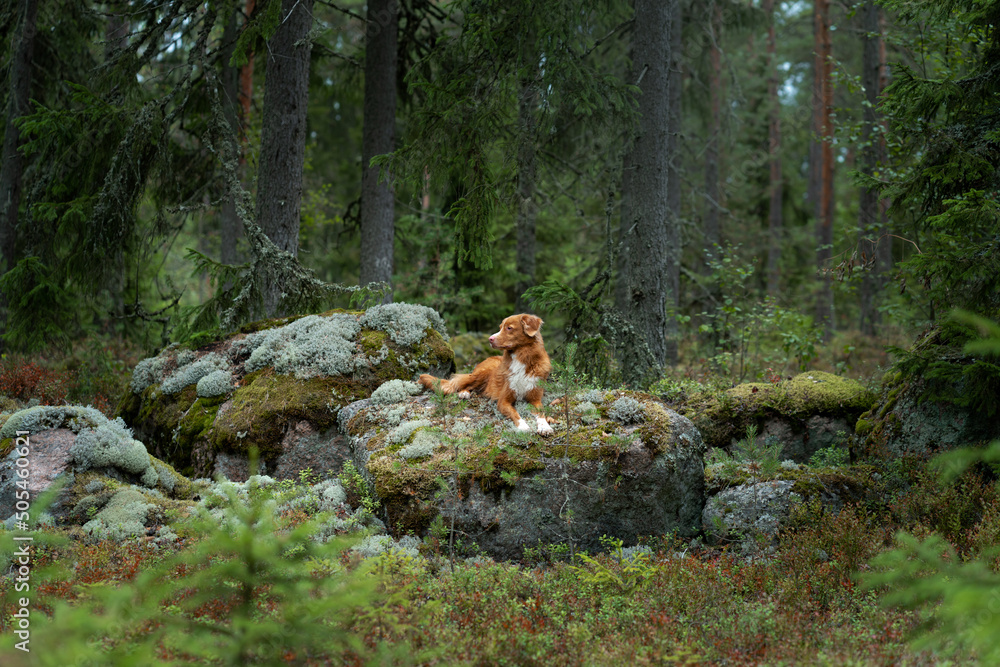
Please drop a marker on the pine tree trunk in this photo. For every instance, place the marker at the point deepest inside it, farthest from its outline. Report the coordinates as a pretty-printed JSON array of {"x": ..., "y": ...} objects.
[
  {"x": 283, "y": 139},
  {"x": 625, "y": 219},
  {"x": 774, "y": 219},
  {"x": 824, "y": 164},
  {"x": 673, "y": 231},
  {"x": 526, "y": 172},
  {"x": 870, "y": 210},
  {"x": 647, "y": 234},
  {"x": 377, "y": 200},
  {"x": 712, "y": 229},
  {"x": 885, "y": 247},
  {"x": 11, "y": 165},
  {"x": 229, "y": 222}
]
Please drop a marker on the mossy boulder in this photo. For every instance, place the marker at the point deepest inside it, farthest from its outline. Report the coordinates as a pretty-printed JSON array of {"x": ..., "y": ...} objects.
[
  {"x": 750, "y": 509},
  {"x": 936, "y": 398},
  {"x": 443, "y": 459},
  {"x": 96, "y": 458},
  {"x": 276, "y": 387},
  {"x": 810, "y": 412}
]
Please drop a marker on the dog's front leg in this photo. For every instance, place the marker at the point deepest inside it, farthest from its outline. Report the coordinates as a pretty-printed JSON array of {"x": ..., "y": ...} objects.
[{"x": 534, "y": 397}]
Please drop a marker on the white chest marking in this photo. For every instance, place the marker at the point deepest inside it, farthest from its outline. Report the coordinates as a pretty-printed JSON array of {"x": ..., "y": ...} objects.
[{"x": 519, "y": 379}]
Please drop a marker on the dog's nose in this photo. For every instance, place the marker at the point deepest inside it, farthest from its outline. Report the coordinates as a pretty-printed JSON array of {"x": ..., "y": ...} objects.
[{"x": 492, "y": 337}]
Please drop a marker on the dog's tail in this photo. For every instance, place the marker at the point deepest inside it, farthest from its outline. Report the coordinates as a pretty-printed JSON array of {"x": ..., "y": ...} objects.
[{"x": 456, "y": 384}]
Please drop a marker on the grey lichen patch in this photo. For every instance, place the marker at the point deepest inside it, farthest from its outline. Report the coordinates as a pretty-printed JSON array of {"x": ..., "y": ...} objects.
[
  {"x": 216, "y": 383},
  {"x": 406, "y": 324},
  {"x": 124, "y": 517},
  {"x": 395, "y": 391},
  {"x": 308, "y": 347},
  {"x": 626, "y": 410},
  {"x": 191, "y": 372}
]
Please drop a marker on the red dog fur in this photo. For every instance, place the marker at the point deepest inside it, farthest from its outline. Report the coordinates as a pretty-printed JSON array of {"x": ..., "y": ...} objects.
[{"x": 514, "y": 376}]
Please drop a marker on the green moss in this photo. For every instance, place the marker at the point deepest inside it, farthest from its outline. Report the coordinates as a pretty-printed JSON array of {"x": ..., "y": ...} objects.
[
  {"x": 864, "y": 426},
  {"x": 724, "y": 416},
  {"x": 849, "y": 483},
  {"x": 266, "y": 402}
]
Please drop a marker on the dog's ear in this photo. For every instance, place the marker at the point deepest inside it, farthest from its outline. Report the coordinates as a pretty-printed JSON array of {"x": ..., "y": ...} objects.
[{"x": 531, "y": 324}]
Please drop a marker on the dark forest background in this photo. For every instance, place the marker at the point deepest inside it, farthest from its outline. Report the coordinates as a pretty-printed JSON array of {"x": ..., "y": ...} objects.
[{"x": 723, "y": 186}]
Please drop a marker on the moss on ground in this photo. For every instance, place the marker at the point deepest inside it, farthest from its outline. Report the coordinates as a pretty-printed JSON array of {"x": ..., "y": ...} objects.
[{"x": 721, "y": 417}]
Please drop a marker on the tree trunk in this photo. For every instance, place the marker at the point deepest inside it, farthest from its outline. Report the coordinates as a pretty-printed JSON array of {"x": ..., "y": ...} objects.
[
  {"x": 673, "y": 230},
  {"x": 11, "y": 166},
  {"x": 526, "y": 172},
  {"x": 885, "y": 247},
  {"x": 711, "y": 226},
  {"x": 870, "y": 212},
  {"x": 774, "y": 218},
  {"x": 229, "y": 222},
  {"x": 377, "y": 201},
  {"x": 824, "y": 203},
  {"x": 647, "y": 231},
  {"x": 283, "y": 138},
  {"x": 625, "y": 219}
]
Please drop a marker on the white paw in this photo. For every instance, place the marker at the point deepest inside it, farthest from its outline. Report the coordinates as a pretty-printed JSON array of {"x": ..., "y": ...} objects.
[
  {"x": 465, "y": 394},
  {"x": 522, "y": 426},
  {"x": 543, "y": 427}
]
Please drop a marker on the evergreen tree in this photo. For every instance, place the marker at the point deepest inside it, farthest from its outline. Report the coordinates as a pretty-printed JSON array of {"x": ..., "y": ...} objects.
[
  {"x": 948, "y": 123},
  {"x": 11, "y": 162}
]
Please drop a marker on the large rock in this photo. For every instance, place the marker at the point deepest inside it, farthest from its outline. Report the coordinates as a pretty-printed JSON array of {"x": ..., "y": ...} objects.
[
  {"x": 626, "y": 467},
  {"x": 750, "y": 508},
  {"x": 942, "y": 399},
  {"x": 810, "y": 412},
  {"x": 277, "y": 386},
  {"x": 113, "y": 487}
]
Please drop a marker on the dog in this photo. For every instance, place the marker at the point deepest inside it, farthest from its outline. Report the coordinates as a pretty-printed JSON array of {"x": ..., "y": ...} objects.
[{"x": 514, "y": 376}]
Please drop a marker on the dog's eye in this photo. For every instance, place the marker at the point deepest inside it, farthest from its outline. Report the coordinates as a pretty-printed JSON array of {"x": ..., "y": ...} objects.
[{"x": 510, "y": 328}]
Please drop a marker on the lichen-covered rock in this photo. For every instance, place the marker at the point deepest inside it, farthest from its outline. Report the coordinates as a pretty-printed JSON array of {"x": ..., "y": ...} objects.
[
  {"x": 505, "y": 490},
  {"x": 742, "y": 507},
  {"x": 917, "y": 414},
  {"x": 810, "y": 412},
  {"x": 276, "y": 386},
  {"x": 95, "y": 456}
]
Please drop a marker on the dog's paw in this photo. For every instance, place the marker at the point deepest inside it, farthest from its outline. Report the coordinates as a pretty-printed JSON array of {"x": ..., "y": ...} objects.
[
  {"x": 523, "y": 426},
  {"x": 465, "y": 394},
  {"x": 543, "y": 427}
]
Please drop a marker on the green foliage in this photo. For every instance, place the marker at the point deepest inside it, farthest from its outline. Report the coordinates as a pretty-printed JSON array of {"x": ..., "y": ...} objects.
[
  {"x": 618, "y": 572},
  {"x": 747, "y": 334},
  {"x": 247, "y": 594},
  {"x": 948, "y": 374},
  {"x": 831, "y": 457},
  {"x": 468, "y": 115},
  {"x": 946, "y": 121},
  {"x": 762, "y": 454},
  {"x": 34, "y": 291},
  {"x": 359, "y": 492}
]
